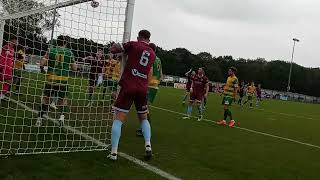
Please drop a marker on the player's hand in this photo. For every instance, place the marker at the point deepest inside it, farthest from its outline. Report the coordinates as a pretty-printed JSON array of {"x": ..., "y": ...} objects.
[
  {"x": 206, "y": 95},
  {"x": 191, "y": 90}
]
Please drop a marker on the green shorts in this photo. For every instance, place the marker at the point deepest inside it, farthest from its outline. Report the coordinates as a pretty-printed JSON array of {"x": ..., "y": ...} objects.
[
  {"x": 227, "y": 100},
  {"x": 112, "y": 84},
  {"x": 60, "y": 91},
  {"x": 152, "y": 93},
  {"x": 250, "y": 98}
]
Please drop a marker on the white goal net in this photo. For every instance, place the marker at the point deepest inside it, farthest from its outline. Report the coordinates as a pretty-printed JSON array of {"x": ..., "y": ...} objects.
[{"x": 90, "y": 27}]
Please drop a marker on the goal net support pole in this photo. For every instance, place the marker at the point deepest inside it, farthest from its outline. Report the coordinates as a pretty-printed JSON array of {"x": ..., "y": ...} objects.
[{"x": 128, "y": 21}]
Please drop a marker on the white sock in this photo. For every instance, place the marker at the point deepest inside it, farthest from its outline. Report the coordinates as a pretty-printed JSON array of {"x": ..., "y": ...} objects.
[
  {"x": 114, "y": 150},
  {"x": 148, "y": 143}
]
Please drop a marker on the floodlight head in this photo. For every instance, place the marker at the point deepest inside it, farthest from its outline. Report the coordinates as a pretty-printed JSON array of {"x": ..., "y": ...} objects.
[{"x": 296, "y": 40}]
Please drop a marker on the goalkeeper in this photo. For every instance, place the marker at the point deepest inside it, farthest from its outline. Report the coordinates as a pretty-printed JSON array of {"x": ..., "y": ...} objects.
[
  {"x": 59, "y": 61},
  {"x": 154, "y": 82}
]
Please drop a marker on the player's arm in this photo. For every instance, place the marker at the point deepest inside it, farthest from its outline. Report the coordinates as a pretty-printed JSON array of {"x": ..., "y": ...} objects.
[
  {"x": 187, "y": 73},
  {"x": 105, "y": 67},
  {"x": 44, "y": 62},
  {"x": 116, "y": 48},
  {"x": 120, "y": 48},
  {"x": 191, "y": 87},
  {"x": 236, "y": 88},
  {"x": 207, "y": 89},
  {"x": 150, "y": 74},
  {"x": 73, "y": 64}
]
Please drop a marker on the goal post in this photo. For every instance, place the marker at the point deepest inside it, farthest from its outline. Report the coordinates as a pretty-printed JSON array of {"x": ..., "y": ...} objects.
[
  {"x": 37, "y": 24},
  {"x": 128, "y": 21}
]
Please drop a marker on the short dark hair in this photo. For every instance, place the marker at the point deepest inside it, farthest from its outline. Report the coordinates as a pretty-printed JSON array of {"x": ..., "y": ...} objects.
[
  {"x": 153, "y": 46},
  {"x": 233, "y": 69},
  {"x": 145, "y": 34},
  {"x": 62, "y": 40}
]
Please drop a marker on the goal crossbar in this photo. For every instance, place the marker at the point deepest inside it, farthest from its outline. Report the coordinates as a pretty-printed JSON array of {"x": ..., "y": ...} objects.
[{"x": 42, "y": 9}]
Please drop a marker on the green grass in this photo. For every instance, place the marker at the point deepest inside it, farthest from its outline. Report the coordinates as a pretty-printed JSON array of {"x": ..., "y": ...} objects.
[{"x": 185, "y": 148}]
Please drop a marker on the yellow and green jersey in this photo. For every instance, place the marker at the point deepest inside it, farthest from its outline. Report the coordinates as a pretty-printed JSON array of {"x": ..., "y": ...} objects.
[
  {"x": 59, "y": 63},
  {"x": 251, "y": 90},
  {"x": 112, "y": 70},
  {"x": 19, "y": 63},
  {"x": 156, "y": 74},
  {"x": 231, "y": 86}
]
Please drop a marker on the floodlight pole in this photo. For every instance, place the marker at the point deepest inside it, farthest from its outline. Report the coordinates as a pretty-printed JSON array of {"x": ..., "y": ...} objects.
[{"x": 292, "y": 57}]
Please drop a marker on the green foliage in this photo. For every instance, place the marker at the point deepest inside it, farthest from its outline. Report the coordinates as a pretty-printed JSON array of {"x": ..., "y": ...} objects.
[{"x": 272, "y": 74}]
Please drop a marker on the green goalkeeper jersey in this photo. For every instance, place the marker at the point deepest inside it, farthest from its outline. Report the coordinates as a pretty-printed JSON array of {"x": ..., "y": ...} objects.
[
  {"x": 156, "y": 74},
  {"x": 59, "y": 63}
]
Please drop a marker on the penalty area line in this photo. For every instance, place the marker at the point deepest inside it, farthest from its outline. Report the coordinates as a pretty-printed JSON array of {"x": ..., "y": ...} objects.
[
  {"x": 248, "y": 130},
  {"x": 102, "y": 144}
]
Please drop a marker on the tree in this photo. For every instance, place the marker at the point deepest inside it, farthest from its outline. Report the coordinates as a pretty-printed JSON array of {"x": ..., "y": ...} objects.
[
  {"x": 30, "y": 29},
  {"x": 205, "y": 56},
  {"x": 271, "y": 74}
]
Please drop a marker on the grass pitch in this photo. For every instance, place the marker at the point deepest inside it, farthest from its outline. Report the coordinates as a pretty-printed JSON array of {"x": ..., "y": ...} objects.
[{"x": 185, "y": 148}]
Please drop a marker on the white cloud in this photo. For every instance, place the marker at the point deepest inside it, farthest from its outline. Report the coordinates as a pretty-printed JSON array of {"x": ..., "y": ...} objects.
[{"x": 246, "y": 28}]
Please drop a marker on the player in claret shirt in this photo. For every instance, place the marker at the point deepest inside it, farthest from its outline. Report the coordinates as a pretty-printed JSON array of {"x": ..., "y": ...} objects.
[
  {"x": 259, "y": 95},
  {"x": 198, "y": 91},
  {"x": 134, "y": 88},
  {"x": 189, "y": 76}
]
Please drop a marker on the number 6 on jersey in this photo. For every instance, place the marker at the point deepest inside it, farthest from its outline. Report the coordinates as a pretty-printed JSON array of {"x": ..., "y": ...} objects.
[{"x": 145, "y": 58}]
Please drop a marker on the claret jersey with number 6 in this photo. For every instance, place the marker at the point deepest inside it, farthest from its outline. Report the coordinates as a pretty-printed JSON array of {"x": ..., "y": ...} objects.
[{"x": 138, "y": 66}]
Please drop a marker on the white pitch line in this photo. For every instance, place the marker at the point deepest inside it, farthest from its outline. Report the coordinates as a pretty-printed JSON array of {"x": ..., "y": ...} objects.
[
  {"x": 102, "y": 144},
  {"x": 248, "y": 130}
]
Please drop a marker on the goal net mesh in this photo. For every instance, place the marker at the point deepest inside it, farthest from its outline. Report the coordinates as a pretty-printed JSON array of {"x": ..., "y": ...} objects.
[{"x": 37, "y": 24}]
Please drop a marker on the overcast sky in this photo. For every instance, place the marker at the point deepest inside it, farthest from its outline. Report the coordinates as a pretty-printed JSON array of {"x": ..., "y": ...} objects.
[{"x": 241, "y": 28}]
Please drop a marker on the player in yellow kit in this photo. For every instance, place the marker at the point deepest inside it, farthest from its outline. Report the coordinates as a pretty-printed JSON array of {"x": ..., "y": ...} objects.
[
  {"x": 112, "y": 76},
  {"x": 251, "y": 92},
  {"x": 229, "y": 93}
]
